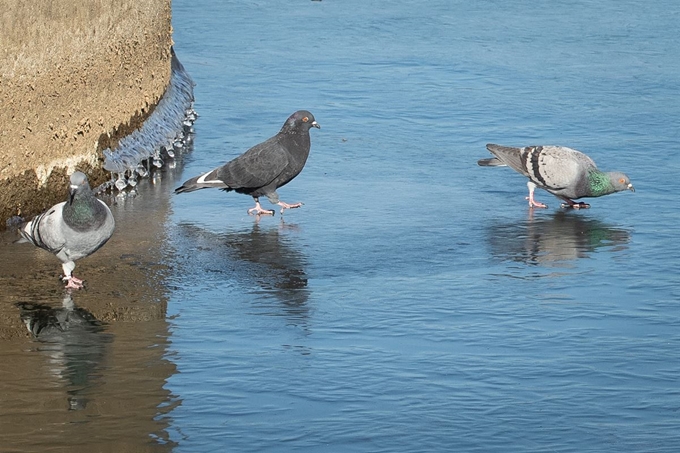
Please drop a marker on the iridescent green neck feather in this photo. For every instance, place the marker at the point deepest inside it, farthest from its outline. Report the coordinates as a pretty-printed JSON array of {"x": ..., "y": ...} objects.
[
  {"x": 599, "y": 183},
  {"x": 84, "y": 213}
]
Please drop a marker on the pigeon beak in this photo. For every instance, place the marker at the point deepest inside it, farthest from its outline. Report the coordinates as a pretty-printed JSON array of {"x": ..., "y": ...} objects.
[
  {"x": 631, "y": 188},
  {"x": 316, "y": 125},
  {"x": 71, "y": 193}
]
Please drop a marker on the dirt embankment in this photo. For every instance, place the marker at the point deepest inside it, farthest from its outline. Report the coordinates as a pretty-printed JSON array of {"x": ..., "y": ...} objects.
[{"x": 74, "y": 78}]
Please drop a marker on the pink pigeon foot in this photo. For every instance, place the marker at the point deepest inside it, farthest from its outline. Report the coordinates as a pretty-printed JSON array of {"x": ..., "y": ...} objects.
[
  {"x": 285, "y": 206},
  {"x": 73, "y": 283},
  {"x": 575, "y": 205},
  {"x": 535, "y": 204},
  {"x": 257, "y": 210},
  {"x": 532, "y": 202}
]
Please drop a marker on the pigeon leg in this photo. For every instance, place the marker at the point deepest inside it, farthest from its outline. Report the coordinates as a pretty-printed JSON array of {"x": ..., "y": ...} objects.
[
  {"x": 533, "y": 203},
  {"x": 285, "y": 206},
  {"x": 71, "y": 281},
  {"x": 257, "y": 210},
  {"x": 574, "y": 204},
  {"x": 68, "y": 267}
]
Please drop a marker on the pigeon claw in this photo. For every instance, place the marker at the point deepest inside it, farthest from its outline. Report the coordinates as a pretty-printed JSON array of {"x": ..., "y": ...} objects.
[
  {"x": 259, "y": 211},
  {"x": 73, "y": 283},
  {"x": 574, "y": 205},
  {"x": 285, "y": 206},
  {"x": 535, "y": 204}
]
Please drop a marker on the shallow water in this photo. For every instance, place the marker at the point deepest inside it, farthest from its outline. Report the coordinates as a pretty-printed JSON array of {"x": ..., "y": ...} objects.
[{"x": 414, "y": 303}]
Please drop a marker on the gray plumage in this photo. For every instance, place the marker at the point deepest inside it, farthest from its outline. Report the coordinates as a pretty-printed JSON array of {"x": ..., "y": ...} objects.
[
  {"x": 264, "y": 167},
  {"x": 564, "y": 172},
  {"x": 72, "y": 229}
]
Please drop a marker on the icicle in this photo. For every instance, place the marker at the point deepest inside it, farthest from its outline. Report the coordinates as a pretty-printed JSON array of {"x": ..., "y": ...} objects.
[
  {"x": 120, "y": 182},
  {"x": 169, "y": 128}
]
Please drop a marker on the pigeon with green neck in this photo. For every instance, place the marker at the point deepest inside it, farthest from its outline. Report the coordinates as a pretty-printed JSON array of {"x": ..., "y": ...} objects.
[
  {"x": 564, "y": 172},
  {"x": 72, "y": 229}
]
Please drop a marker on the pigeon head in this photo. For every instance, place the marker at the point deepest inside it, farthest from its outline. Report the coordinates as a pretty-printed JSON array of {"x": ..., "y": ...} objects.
[
  {"x": 78, "y": 186},
  {"x": 620, "y": 181},
  {"x": 299, "y": 123},
  {"x": 610, "y": 182}
]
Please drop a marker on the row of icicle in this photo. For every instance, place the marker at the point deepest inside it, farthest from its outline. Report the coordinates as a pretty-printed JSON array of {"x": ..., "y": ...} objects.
[{"x": 167, "y": 131}]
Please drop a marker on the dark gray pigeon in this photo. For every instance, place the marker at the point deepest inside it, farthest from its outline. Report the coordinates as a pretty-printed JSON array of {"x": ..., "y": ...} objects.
[
  {"x": 72, "y": 229},
  {"x": 564, "y": 172},
  {"x": 264, "y": 167}
]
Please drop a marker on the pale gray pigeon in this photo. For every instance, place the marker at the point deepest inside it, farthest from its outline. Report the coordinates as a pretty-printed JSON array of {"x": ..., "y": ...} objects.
[
  {"x": 564, "y": 172},
  {"x": 72, "y": 229},
  {"x": 264, "y": 167}
]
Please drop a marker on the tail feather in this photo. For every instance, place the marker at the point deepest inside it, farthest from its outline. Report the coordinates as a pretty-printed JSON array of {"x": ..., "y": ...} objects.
[
  {"x": 490, "y": 162},
  {"x": 204, "y": 181},
  {"x": 506, "y": 155}
]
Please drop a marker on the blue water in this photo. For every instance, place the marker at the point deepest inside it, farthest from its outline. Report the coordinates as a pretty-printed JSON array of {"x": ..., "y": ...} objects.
[{"x": 415, "y": 303}]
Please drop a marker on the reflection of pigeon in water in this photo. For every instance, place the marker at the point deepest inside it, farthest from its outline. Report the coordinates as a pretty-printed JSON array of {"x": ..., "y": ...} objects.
[
  {"x": 281, "y": 266},
  {"x": 564, "y": 172},
  {"x": 264, "y": 167},
  {"x": 264, "y": 260},
  {"x": 45, "y": 322},
  {"x": 557, "y": 239},
  {"x": 72, "y": 229},
  {"x": 74, "y": 342}
]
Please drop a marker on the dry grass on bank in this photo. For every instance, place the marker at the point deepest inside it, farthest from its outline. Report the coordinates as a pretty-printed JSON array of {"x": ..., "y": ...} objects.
[{"x": 35, "y": 34}]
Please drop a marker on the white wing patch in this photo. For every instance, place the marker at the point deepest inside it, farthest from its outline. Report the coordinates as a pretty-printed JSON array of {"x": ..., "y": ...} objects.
[{"x": 202, "y": 180}]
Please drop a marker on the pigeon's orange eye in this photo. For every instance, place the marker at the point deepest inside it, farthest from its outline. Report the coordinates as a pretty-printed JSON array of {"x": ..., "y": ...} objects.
[
  {"x": 622, "y": 181},
  {"x": 305, "y": 119}
]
